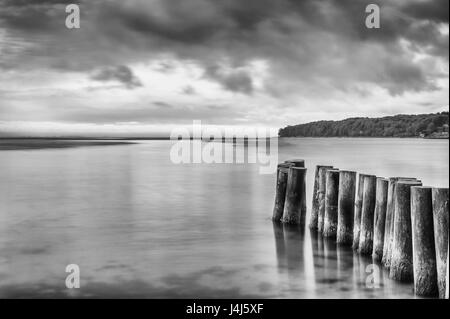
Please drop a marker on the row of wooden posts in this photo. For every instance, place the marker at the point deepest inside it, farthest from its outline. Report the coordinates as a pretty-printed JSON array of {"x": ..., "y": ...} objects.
[{"x": 399, "y": 222}]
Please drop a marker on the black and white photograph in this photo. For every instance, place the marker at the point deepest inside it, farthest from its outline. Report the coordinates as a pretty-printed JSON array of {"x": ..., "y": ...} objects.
[{"x": 212, "y": 150}]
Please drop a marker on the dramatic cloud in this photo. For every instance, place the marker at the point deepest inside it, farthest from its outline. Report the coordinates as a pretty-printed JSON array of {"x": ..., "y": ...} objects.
[
  {"x": 261, "y": 62},
  {"x": 234, "y": 80},
  {"x": 121, "y": 73}
]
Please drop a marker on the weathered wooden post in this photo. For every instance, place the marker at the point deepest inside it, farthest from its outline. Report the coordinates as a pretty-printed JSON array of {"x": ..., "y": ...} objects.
[
  {"x": 346, "y": 207},
  {"x": 295, "y": 191},
  {"x": 280, "y": 194},
  {"x": 389, "y": 226},
  {"x": 296, "y": 162},
  {"x": 300, "y": 163},
  {"x": 321, "y": 197},
  {"x": 401, "y": 268},
  {"x": 440, "y": 218},
  {"x": 358, "y": 208},
  {"x": 380, "y": 218},
  {"x": 367, "y": 215},
  {"x": 424, "y": 252},
  {"x": 314, "y": 220},
  {"x": 331, "y": 204}
]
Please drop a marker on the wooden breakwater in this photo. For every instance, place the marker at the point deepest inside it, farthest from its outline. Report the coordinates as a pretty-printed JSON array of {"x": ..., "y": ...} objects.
[{"x": 400, "y": 223}]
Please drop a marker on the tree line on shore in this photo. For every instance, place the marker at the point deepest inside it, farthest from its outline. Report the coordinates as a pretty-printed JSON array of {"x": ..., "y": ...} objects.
[{"x": 421, "y": 125}]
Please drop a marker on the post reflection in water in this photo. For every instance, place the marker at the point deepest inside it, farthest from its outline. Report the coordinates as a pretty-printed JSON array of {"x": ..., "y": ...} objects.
[
  {"x": 345, "y": 267},
  {"x": 370, "y": 276},
  {"x": 329, "y": 275},
  {"x": 309, "y": 263},
  {"x": 280, "y": 248},
  {"x": 289, "y": 241}
]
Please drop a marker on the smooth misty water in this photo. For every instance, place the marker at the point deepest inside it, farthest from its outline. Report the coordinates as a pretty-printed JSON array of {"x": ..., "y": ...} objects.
[{"x": 140, "y": 226}]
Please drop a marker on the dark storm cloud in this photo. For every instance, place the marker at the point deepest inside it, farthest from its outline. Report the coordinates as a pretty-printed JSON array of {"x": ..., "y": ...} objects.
[
  {"x": 34, "y": 17},
  {"x": 121, "y": 73},
  {"x": 437, "y": 10},
  {"x": 304, "y": 41},
  {"x": 201, "y": 21},
  {"x": 235, "y": 81},
  {"x": 402, "y": 76},
  {"x": 28, "y": 3},
  {"x": 177, "y": 26}
]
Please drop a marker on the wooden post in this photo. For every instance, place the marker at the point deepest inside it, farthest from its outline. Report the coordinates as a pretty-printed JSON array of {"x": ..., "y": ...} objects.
[
  {"x": 331, "y": 204},
  {"x": 380, "y": 218},
  {"x": 346, "y": 207},
  {"x": 280, "y": 194},
  {"x": 389, "y": 226},
  {"x": 314, "y": 220},
  {"x": 295, "y": 192},
  {"x": 401, "y": 268},
  {"x": 358, "y": 208},
  {"x": 367, "y": 215},
  {"x": 424, "y": 252},
  {"x": 321, "y": 197},
  {"x": 300, "y": 163},
  {"x": 440, "y": 217},
  {"x": 446, "y": 289},
  {"x": 296, "y": 162}
]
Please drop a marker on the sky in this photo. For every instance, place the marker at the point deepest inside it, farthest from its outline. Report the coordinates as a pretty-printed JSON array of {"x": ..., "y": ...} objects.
[{"x": 144, "y": 67}]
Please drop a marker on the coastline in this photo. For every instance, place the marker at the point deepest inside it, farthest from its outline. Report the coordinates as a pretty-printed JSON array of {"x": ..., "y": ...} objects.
[
  {"x": 35, "y": 144},
  {"x": 378, "y": 137}
]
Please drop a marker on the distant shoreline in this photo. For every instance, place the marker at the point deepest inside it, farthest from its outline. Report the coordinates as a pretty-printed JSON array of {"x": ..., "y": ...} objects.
[
  {"x": 35, "y": 144},
  {"x": 377, "y": 137},
  {"x": 85, "y": 138},
  {"x": 433, "y": 126}
]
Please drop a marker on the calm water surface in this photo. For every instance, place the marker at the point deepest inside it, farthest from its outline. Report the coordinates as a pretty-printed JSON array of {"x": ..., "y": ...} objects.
[{"x": 140, "y": 226}]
